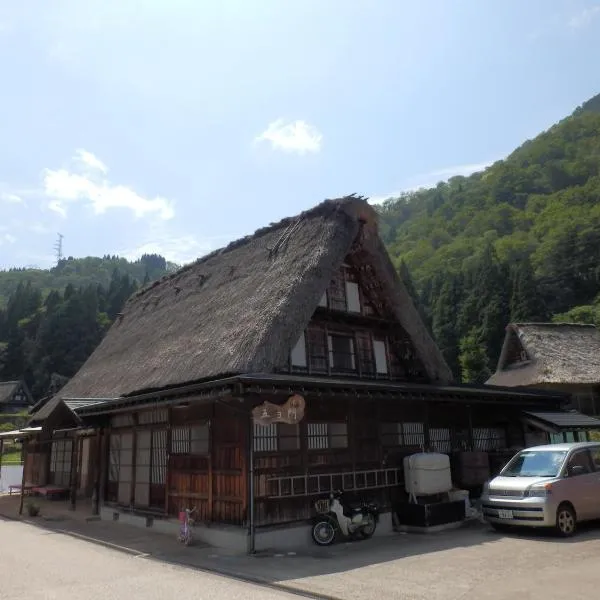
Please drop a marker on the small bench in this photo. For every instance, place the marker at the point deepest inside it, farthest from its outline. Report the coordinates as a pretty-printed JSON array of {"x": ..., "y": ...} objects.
[
  {"x": 50, "y": 491},
  {"x": 17, "y": 488}
]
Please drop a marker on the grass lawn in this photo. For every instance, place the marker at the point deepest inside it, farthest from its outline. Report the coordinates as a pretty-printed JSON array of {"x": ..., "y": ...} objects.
[{"x": 12, "y": 458}]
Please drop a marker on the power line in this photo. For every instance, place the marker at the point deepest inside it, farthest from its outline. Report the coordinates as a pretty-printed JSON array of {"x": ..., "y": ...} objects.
[{"x": 58, "y": 248}]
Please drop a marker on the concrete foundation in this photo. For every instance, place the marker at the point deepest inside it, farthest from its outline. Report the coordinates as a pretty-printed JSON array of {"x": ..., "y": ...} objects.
[{"x": 235, "y": 539}]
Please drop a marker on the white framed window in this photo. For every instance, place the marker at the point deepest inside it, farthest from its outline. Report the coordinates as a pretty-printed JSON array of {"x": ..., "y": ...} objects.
[
  {"x": 352, "y": 297},
  {"x": 380, "y": 357},
  {"x": 298, "y": 355}
]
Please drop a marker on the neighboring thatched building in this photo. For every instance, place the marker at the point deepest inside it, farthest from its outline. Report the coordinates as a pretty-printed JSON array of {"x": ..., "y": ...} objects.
[
  {"x": 15, "y": 397},
  {"x": 251, "y": 382},
  {"x": 557, "y": 356}
]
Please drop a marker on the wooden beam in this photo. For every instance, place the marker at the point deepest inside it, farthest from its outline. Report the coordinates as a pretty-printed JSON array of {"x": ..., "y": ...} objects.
[
  {"x": 133, "y": 459},
  {"x": 23, "y": 476},
  {"x": 211, "y": 457},
  {"x": 97, "y": 473},
  {"x": 73, "y": 475},
  {"x": 168, "y": 459}
]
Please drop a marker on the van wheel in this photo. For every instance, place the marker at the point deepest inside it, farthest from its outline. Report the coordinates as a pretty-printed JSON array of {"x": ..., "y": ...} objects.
[{"x": 566, "y": 520}]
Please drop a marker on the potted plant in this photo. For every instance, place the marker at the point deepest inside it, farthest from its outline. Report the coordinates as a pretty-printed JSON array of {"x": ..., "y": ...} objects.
[{"x": 33, "y": 510}]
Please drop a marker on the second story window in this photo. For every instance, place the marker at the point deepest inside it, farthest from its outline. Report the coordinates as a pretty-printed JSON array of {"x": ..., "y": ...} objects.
[{"x": 341, "y": 353}]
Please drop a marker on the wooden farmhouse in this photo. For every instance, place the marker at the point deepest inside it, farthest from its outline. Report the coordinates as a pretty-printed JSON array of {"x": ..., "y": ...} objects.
[
  {"x": 563, "y": 357},
  {"x": 14, "y": 397},
  {"x": 252, "y": 382}
]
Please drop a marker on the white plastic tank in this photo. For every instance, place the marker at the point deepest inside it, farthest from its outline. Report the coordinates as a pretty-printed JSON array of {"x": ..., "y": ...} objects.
[{"x": 427, "y": 473}]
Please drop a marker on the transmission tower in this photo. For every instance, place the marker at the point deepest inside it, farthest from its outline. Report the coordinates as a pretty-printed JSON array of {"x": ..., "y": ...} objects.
[{"x": 58, "y": 247}]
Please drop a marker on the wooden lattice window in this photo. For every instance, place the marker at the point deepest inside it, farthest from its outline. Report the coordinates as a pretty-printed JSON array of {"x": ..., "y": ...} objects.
[
  {"x": 336, "y": 292},
  {"x": 192, "y": 440},
  {"x": 489, "y": 438},
  {"x": 402, "y": 434},
  {"x": 440, "y": 439},
  {"x": 341, "y": 353},
  {"x": 317, "y": 350},
  {"x": 366, "y": 358},
  {"x": 322, "y": 436},
  {"x": 60, "y": 462},
  {"x": 276, "y": 437}
]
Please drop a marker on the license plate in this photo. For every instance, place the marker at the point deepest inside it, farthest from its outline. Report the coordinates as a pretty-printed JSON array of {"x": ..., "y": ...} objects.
[{"x": 505, "y": 514}]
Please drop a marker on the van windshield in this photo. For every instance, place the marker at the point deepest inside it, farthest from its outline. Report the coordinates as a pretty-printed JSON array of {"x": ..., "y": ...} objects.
[{"x": 535, "y": 463}]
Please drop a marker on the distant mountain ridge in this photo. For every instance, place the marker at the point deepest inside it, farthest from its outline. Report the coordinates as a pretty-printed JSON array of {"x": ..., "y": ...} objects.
[{"x": 83, "y": 271}]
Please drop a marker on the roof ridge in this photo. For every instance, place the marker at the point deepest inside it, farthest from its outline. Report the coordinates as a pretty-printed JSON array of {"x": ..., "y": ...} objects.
[{"x": 327, "y": 204}]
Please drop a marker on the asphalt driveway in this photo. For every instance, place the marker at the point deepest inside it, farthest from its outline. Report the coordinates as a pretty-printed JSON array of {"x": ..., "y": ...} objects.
[{"x": 473, "y": 562}]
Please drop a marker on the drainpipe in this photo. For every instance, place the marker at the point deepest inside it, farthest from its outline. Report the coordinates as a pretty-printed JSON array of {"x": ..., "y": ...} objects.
[{"x": 251, "y": 527}]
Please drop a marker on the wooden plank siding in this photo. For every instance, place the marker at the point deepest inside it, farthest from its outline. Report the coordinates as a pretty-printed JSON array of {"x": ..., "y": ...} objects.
[{"x": 342, "y": 442}]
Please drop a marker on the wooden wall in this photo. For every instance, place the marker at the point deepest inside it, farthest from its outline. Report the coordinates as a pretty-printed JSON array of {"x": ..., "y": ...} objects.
[
  {"x": 347, "y": 443},
  {"x": 203, "y": 447}
]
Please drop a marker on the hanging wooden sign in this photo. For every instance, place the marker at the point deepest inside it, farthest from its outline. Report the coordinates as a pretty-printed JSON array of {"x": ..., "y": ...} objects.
[{"x": 291, "y": 412}]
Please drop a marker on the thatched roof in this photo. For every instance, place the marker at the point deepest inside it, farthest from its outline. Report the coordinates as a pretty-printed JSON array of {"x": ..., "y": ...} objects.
[
  {"x": 241, "y": 309},
  {"x": 554, "y": 353},
  {"x": 9, "y": 389}
]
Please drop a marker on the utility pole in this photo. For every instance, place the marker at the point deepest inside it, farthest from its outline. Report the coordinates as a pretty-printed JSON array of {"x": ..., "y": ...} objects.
[{"x": 58, "y": 248}]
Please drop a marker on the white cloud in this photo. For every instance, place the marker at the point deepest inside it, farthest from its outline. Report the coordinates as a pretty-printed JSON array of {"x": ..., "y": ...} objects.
[
  {"x": 431, "y": 179},
  {"x": 295, "y": 136},
  {"x": 87, "y": 159},
  {"x": 12, "y": 198},
  {"x": 180, "y": 249},
  {"x": 7, "y": 238},
  {"x": 86, "y": 182},
  {"x": 585, "y": 17}
]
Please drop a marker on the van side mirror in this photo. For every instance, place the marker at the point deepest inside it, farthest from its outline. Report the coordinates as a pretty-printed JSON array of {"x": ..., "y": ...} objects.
[{"x": 576, "y": 470}]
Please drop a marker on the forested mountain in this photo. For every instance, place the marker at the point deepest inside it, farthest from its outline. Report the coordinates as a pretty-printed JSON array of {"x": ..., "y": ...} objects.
[
  {"x": 519, "y": 241},
  {"x": 51, "y": 320},
  {"x": 79, "y": 272}
]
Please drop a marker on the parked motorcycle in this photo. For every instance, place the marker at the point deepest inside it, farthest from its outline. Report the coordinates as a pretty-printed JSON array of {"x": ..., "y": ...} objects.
[{"x": 336, "y": 516}]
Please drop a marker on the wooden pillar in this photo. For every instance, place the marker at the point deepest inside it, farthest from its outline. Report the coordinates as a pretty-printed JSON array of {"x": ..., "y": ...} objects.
[
  {"x": 211, "y": 457},
  {"x": 23, "y": 477},
  {"x": 168, "y": 459},
  {"x": 133, "y": 459},
  {"x": 426, "y": 440},
  {"x": 250, "y": 469},
  {"x": 73, "y": 477},
  {"x": 105, "y": 463},
  {"x": 97, "y": 472},
  {"x": 352, "y": 431},
  {"x": 470, "y": 432}
]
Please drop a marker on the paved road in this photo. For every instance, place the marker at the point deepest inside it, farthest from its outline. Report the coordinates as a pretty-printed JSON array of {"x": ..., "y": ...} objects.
[
  {"x": 474, "y": 562},
  {"x": 36, "y": 564}
]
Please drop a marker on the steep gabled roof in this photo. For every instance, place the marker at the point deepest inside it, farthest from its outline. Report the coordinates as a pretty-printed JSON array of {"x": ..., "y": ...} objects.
[
  {"x": 555, "y": 353},
  {"x": 241, "y": 309},
  {"x": 8, "y": 389}
]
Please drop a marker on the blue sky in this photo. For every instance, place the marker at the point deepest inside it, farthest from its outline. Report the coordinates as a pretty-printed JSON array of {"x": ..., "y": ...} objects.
[{"x": 176, "y": 126}]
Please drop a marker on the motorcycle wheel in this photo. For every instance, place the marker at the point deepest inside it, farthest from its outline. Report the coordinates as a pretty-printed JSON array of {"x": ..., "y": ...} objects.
[
  {"x": 368, "y": 529},
  {"x": 323, "y": 533}
]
